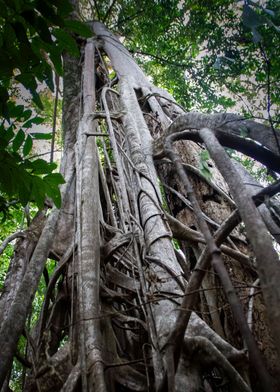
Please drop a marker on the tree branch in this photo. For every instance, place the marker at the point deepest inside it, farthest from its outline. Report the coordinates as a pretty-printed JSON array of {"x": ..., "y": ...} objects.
[
  {"x": 230, "y": 129},
  {"x": 176, "y": 336},
  {"x": 19, "y": 234},
  {"x": 267, "y": 258}
]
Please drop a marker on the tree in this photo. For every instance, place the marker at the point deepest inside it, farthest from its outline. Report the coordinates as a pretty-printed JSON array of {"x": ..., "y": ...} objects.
[{"x": 124, "y": 309}]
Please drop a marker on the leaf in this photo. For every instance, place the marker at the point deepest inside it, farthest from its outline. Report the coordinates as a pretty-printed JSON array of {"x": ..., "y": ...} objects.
[
  {"x": 4, "y": 96},
  {"x": 204, "y": 155},
  {"x": 38, "y": 191},
  {"x": 27, "y": 145},
  {"x": 48, "y": 76},
  {"x": 206, "y": 173},
  {"x": 36, "y": 99},
  {"x": 41, "y": 136},
  {"x": 48, "y": 12},
  {"x": 9, "y": 36},
  {"x": 79, "y": 28},
  {"x": 18, "y": 140},
  {"x": 26, "y": 115},
  {"x": 55, "y": 56},
  {"x": 203, "y": 164},
  {"x": 15, "y": 111},
  {"x": 67, "y": 42},
  {"x": 9, "y": 134},
  {"x": 54, "y": 193},
  {"x": 270, "y": 23},
  {"x": 34, "y": 120},
  {"x": 40, "y": 166},
  {"x": 53, "y": 181},
  {"x": 39, "y": 25}
]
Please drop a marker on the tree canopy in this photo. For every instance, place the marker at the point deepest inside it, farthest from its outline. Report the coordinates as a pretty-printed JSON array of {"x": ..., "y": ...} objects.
[{"x": 212, "y": 56}]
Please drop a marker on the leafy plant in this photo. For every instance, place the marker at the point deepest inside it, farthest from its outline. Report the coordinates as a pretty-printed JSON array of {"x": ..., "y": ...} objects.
[
  {"x": 203, "y": 164},
  {"x": 23, "y": 178},
  {"x": 33, "y": 37}
]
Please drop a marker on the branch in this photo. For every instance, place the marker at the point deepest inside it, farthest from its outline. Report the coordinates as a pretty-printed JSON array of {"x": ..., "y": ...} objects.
[
  {"x": 183, "y": 232},
  {"x": 266, "y": 257},
  {"x": 161, "y": 59},
  {"x": 13, "y": 236},
  {"x": 230, "y": 130},
  {"x": 108, "y": 12},
  {"x": 176, "y": 336},
  {"x": 268, "y": 99},
  {"x": 210, "y": 355},
  {"x": 269, "y": 191}
]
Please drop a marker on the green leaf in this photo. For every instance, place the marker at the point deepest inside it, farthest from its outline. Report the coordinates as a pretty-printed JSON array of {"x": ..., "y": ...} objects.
[
  {"x": 54, "y": 179},
  {"x": 38, "y": 191},
  {"x": 54, "y": 194},
  {"x": 67, "y": 42},
  {"x": 15, "y": 111},
  {"x": 26, "y": 115},
  {"x": 34, "y": 120},
  {"x": 9, "y": 36},
  {"x": 206, "y": 173},
  {"x": 27, "y": 145},
  {"x": 55, "y": 56},
  {"x": 39, "y": 25},
  {"x": 18, "y": 140},
  {"x": 4, "y": 96},
  {"x": 49, "y": 13},
  {"x": 8, "y": 134},
  {"x": 41, "y": 136},
  {"x": 204, "y": 155},
  {"x": 79, "y": 28},
  {"x": 203, "y": 164},
  {"x": 36, "y": 99},
  {"x": 270, "y": 23},
  {"x": 40, "y": 166},
  {"x": 48, "y": 76}
]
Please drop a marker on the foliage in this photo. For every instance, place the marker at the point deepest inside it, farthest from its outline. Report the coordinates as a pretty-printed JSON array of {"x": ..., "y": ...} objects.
[
  {"x": 32, "y": 40},
  {"x": 23, "y": 178},
  {"x": 216, "y": 55},
  {"x": 48, "y": 102},
  {"x": 33, "y": 36},
  {"x": 203, "y": 164},
  {"x": 207, "y": 53},
  {"x": 9, "y": 226}
]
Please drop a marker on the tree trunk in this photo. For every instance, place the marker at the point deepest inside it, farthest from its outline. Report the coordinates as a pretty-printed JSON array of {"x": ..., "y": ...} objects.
[{"x": 124, "y": 309}]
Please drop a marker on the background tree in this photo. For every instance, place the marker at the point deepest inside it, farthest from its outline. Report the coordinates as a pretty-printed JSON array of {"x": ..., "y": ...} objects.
[{"x": 124, "y": 308}]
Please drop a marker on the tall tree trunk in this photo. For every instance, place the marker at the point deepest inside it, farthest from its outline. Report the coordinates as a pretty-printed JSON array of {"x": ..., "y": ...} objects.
[{"x": 124, "y": 308}]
